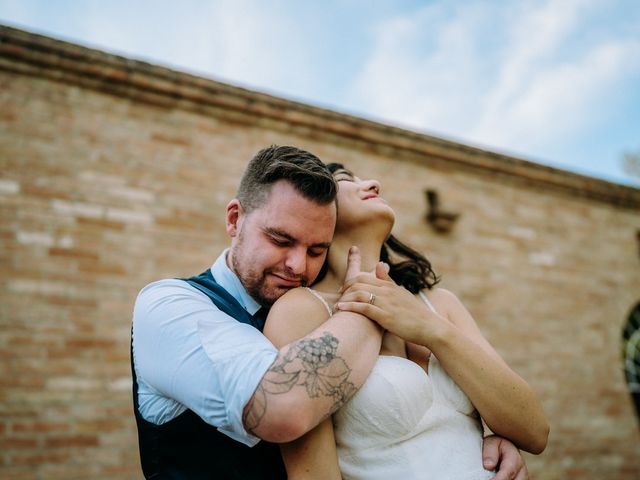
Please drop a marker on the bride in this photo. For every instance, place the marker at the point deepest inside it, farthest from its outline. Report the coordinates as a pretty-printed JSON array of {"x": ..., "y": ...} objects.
[{"x": 418, "y": 415}]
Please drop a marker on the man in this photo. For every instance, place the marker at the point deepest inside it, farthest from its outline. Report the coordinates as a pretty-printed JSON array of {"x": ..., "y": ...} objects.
[{"x": 207, "y": 384}]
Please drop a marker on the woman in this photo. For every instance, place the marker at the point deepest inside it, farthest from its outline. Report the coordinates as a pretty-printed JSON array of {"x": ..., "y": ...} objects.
[{"x": 416, "y": 416}]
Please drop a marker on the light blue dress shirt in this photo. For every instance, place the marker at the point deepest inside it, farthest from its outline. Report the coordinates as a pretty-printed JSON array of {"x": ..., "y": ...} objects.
[{"x": 189, "y": 354}]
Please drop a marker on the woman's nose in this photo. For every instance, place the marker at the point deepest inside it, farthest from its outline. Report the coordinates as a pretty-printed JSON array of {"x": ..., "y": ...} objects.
[{"x": 373, "y": 185}]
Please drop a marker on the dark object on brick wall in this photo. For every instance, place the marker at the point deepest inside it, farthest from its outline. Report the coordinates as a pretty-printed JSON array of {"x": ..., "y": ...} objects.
[
  {"x": 441, "y": 221},
  {"x": 631, "y": 355}
]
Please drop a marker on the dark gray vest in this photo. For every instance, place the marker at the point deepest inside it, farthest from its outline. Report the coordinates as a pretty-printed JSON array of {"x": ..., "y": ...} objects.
[{"x": 189, "y": 448}]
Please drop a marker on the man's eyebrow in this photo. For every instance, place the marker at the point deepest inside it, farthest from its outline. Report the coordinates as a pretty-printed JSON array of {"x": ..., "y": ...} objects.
[
  {"x": 321, "y": 245},
  {"x": 280, "y": 233}
]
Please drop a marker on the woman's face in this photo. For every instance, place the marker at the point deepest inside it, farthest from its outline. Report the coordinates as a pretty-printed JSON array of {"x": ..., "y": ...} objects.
[{"x": 359, "y": 202}]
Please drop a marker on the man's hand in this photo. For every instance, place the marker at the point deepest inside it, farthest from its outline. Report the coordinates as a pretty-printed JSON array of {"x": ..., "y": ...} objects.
[{"x": 502, "y": 455}]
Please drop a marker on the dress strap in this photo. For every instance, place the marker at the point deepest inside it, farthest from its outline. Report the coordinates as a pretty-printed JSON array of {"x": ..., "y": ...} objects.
[
  {"x": 321, "y": 298},
  {"x": 426, "y": 300},
  {"x": 433, "y": 309}
]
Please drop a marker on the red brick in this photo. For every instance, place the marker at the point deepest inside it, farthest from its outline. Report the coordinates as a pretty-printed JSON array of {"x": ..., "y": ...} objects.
[
  {"x": 71, "y": 441},
  {"x": 83, "y": 343},
  {"x": 39, "y": 427},
  {"x": 22, "y": 382},
  {"x": 99, "y": 268},
  {"x": 71, "y": 302},
  {"x": 17, "y": 443},
  {"x": 19, "y": 473},
  {"x": 41, "y": 458},
  {"x": 100, "y": 224},
  {"x": 73, "y": 253},
  {"x": 99, "y": 426}
]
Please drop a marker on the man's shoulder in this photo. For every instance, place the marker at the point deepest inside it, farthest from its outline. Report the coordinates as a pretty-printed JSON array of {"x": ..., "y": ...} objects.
[
  {"x": 168, "y": 288},
  {"x": 171, "y": 298},
  {"x": 164, "y": 284}
]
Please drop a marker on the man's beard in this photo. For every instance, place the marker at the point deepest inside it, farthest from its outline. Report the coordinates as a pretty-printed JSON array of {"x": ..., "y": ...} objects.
[{"x": 255, "y": 282}]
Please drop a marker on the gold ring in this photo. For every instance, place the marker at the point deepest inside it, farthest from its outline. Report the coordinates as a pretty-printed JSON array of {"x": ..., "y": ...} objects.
[{"x": 372, "y": 298}]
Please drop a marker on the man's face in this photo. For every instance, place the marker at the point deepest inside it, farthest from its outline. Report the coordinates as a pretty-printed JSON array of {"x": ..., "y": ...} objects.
[{"x": 281, "y": 245}]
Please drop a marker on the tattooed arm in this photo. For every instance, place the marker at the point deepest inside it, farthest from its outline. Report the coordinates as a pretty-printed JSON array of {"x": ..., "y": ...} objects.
[
  {"x": 314, "y": 375},
  {"x": 319, "y": 365},
  {"x": 313, "y": 455}
]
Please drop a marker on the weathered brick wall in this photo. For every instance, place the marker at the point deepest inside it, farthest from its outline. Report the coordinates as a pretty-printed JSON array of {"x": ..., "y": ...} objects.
[{"x": 116, "y": 173}]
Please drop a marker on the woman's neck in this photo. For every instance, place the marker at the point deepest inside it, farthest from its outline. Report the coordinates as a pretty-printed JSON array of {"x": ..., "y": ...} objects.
[{"x": 369, "y": 247}]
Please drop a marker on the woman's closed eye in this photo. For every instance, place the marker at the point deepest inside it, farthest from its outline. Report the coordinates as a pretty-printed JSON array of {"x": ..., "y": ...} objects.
[{"x": 343, "y": 176}]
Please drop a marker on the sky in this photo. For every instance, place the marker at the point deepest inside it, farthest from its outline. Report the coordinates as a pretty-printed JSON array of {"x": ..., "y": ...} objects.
[{"x": 556, "y": 82}]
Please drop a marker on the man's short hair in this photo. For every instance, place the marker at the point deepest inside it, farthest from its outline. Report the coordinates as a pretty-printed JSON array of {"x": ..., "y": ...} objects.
[{"x": 303, "y": 170}]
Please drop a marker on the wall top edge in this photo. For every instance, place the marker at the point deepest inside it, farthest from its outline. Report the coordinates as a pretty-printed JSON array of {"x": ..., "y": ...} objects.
[{"x": 79, "y": 62}]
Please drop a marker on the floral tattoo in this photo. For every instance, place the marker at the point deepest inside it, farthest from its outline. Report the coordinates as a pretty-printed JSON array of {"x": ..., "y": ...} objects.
[{"x": 312, "y": 363}]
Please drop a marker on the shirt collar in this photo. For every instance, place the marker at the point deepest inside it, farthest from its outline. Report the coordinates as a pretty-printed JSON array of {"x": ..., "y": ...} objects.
[{"x": 228, "y": 280}]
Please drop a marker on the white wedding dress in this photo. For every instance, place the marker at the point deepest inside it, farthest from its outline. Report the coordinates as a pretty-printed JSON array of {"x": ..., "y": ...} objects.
[{"x": 406, "y": 425}]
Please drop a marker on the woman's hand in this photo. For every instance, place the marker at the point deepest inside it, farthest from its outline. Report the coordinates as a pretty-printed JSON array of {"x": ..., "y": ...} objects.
[
  {"x": 391, "y": 306},
  {"x": 505, "y": 401}
]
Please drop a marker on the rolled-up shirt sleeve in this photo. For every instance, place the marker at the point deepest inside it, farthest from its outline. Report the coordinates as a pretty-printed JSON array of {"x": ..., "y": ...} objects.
[{"x": 189, "y": 354}]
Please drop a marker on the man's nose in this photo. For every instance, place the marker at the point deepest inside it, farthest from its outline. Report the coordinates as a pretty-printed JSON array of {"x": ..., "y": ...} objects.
[{"x": 296, "y": 261}]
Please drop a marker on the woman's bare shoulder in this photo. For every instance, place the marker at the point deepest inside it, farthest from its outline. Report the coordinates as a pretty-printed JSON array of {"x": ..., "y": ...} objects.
[
  {"x": 442, "y": 299},
  {"x": 450, "y": 306},
  {"x": 296, "y": 314}
]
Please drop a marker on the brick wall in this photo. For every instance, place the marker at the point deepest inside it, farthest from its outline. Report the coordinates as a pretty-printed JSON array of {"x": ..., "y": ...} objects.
[{"x": 115, "y": 173}]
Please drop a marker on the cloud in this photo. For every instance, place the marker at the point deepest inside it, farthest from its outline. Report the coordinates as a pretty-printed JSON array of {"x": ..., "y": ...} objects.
[
  {"x": 250, "y": 40},
  {"x": 559, "y": 100},
  {"x": 245, "y": 42},
  {"x": 421, "y": 69},
  {"x": 520, "y": 77},
  {"x": 235, "y": 39},
  {"x": 544, "y": 93}
]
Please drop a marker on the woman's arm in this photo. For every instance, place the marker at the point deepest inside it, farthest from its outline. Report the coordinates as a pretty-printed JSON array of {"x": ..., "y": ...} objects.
[
  {"x": 289, "y": 401},
  {"x": 312, "y": 456},
  {"x": 296, "y": 314},
  {"x": 505, "y": 401}
]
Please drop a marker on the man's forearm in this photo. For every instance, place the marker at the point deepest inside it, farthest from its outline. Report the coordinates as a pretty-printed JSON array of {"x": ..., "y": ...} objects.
[{"x": 312, "y": 377}]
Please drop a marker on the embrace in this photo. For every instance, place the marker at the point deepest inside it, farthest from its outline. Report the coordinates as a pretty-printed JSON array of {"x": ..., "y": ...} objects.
[{"x": 317, "y": 347}]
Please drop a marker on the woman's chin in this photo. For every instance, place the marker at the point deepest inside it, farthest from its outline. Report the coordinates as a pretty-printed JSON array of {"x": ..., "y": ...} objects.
[{"x": 390, "y": 218}]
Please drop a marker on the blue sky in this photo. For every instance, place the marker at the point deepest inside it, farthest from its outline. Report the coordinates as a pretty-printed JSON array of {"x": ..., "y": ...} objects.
[{"x": 555, "y": 82}]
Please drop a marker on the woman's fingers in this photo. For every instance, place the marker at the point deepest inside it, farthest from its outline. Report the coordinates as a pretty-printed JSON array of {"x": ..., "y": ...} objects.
[
  {"x": 382, "y": 271},
  {"x": 362, "y": 281},
  {"x": 354, "y": 263},
  {"x": 371, "y": 311},
  {"x": 361, "y": 295}
]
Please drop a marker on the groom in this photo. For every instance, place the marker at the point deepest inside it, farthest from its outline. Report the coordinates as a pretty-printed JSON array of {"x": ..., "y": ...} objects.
[{"x": 207, "y": 385}]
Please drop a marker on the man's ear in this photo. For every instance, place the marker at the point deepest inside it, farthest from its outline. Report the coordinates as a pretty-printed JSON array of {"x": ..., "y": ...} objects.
[{"x": 234, "y": 217}]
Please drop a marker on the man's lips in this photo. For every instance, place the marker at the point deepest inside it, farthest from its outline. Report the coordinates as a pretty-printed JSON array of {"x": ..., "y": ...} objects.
[{"x": 290, "y": 282}]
